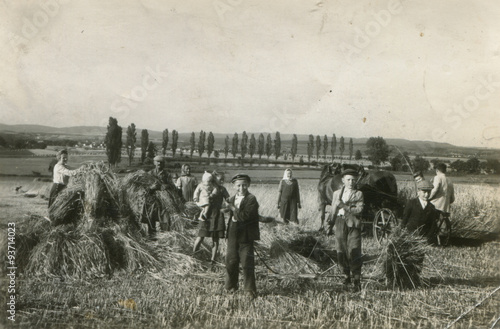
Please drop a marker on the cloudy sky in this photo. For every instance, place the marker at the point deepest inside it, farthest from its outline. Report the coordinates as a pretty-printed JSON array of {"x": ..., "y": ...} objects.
[{"x": 422, "y": 70}]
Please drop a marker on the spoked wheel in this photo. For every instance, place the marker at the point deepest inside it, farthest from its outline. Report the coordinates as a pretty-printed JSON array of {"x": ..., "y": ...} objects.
[
  {"x": 384, "y": 222},
  {"x": 443, "y": 231}
]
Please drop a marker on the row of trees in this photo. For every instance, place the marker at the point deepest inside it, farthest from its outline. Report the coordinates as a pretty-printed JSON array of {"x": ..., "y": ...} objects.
[
  {"x": 322, "y": 147},
  {"x": 376, "y": 148},
  {"x": 246, "y": 146}
]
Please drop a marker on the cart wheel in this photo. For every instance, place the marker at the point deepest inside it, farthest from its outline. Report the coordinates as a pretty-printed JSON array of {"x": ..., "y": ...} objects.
[
  {"x": 443, "y": 230},
  {"x": 383, "y": 224}
]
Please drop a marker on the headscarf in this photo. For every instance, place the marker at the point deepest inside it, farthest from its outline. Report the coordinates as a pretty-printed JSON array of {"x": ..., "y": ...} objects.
[
  {"x": 183, "y": 169},
  {"x": 285, "y": 177}
]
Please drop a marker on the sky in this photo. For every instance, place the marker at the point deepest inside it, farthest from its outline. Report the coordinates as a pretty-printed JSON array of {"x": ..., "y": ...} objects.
[{"x": 419, "y": 70}]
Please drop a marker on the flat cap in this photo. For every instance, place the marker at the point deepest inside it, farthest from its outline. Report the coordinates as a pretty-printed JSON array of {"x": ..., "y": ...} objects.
[
  {"x": 351, "y": 172},
  {"x": 158, "y": 158},
  {"x": 424, "y": 185},
  {"x": 240, "y": 177}
]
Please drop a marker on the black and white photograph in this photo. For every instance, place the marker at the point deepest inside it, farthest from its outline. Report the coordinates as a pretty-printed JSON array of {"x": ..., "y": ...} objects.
[{"x": 250, "y": 164}]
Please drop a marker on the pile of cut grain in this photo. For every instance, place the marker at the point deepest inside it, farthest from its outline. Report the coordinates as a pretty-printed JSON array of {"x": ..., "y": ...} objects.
[
  {"x": 402, "y": 259},
  {"x": 94, "y": 228}
]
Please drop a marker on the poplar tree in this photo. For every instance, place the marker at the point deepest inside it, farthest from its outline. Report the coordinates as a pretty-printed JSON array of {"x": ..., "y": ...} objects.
[
  {"x": 114, "y": 142},
  {"x": 130, "y": 143}
]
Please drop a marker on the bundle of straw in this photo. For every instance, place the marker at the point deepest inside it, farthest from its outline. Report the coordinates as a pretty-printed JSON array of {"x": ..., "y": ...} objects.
[
  {"x": 290, "y": 250},
  {"x": 137, "y": 196},
  {"x": 63, "y": 252},
  {"x": 402, "y": 259},
  {"x": 67, "y": 207},
  {"x": 91, "y": 194}
]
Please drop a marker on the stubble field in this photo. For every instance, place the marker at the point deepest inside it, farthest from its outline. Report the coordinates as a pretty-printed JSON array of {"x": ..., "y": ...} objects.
[{"x": 462, "y": 280}]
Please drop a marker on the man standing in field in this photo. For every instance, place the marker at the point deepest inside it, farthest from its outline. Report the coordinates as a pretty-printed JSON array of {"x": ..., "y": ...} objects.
[
  {"x": 347, "y": 206},
  {"x": 156, "y": 213},
  {"x": 443, "y": 193}
]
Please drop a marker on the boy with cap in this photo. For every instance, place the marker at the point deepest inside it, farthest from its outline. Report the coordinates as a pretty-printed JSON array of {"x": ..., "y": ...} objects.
[
  {"x": 242, "y": 231},
  {"x": 347, "y": 206},
  {"x": 420, "y": 215}
]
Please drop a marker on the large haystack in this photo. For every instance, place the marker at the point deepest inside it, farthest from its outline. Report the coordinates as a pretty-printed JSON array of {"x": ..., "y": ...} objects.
[{"x": 92, "y": 232}]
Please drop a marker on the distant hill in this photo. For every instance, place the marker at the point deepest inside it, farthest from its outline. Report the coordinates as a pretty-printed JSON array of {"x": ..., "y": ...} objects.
[{"x": 97, "y": 133}]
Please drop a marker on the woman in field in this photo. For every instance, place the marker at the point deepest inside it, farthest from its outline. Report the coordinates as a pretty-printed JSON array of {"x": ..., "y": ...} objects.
[
  {"x": 243, "y": 230},
  {"x": 289, "y": 197},
  {"x": 215, "y": 226},
  {"x": 187, "y": 183},
  {"x": 61, "y": 175}
]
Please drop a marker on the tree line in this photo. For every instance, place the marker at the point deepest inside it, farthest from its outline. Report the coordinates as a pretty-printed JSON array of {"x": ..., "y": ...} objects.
[
  {"x": 377, "y": 150},
  {"x": 246, "y": 146}
]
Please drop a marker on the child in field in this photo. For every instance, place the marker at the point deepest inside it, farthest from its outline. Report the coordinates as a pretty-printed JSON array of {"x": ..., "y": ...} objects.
[{"x": 204, "y": 193}]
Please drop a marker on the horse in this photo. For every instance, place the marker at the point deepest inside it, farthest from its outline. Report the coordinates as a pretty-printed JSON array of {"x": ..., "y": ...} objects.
[{"x": 379, "y": 189}]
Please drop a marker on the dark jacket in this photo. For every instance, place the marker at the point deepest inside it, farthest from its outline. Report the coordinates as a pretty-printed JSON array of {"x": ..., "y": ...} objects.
[
  {"x": 246, "y": 227},
  {"x": 415, "y": 218}
]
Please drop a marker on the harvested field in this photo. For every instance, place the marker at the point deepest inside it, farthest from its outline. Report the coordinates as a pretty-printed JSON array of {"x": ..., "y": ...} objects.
[{"x": 298, "y": 282}]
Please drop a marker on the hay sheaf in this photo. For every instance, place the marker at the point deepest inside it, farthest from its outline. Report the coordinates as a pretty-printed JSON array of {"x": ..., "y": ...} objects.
[
  {"x": 402, "y": 259},
  {"x": 92, "y": 193},
  {"x": 287, "y": 249},
  {"x": 136, "y": 194}
]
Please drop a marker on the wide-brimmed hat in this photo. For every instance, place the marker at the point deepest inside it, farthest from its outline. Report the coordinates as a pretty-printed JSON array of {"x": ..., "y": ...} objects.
[
  {"x": 240, "y": 177},
  {"x": 351, "y": 172},
  {"x": 424, "y": 185}
]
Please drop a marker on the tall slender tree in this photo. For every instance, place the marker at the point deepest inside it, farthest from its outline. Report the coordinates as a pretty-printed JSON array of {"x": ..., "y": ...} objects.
[
  {"x": 318, "y": 146},
  {"x": 310, "y": 147},
  {"x": 358, "y": 155},
  {"x": 151, "y": 151},
  {"x": 325, "y": 146},
  {"x": 269, "y": 146},
  {"x": 144, "y": 144},
  {"x": 164, "y": 141},
  {"x": 201, "y": 142},
  {"x": 130, "y": 143},
  {"x": 210, "y": 143},
  {"x": 114, "y": 142},
  {"x": 252, "y": 145},
  {"x": 226, "y": 146},
  {"x": 333, "y": 146},
  {"x": 293, "y": 150},
  {"x": 192, "y": 144},
  {"x": 351, "y": 148},
  {"x": 341, "y": 147},
  {"x": 234, "y": 148},
  {"x": 175, "y": 138},
  {"x": 260, "y": 146},
  {"x": 277, "y": 145},
  {"x": 244, "y": 144}
]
